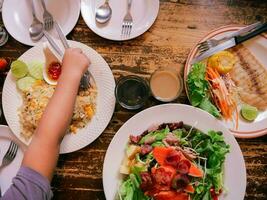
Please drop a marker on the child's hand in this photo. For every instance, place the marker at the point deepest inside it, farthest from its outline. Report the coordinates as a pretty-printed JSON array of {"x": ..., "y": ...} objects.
[{"x": 75, "y": 62}]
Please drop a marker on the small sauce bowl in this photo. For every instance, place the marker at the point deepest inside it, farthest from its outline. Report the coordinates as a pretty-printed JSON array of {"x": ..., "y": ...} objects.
[
  {"x": 166, "y": 84},
  {"x": 132, "y": 92},
  {"x": 50, "y": 57}
]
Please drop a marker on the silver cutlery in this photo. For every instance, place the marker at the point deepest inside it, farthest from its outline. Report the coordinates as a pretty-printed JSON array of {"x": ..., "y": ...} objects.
[
  {"x": 206, "y": 45},
  {"x": 85, "y": 80},
  {"x": 36, "y": 33},
  {"x": 231, "y": 42},
  {"x": 10, "y": 155},
  {"x": 103, "y": 13},
  {"x": 47, "y": 17},
  {"x": 36, "y": 28},
  {"x": 127, "y": 22}
]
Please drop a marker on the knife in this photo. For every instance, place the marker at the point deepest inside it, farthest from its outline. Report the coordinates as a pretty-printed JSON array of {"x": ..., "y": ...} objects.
[
  {"x": 231, "y": 43},
  {"x": 242, "y": 31}
]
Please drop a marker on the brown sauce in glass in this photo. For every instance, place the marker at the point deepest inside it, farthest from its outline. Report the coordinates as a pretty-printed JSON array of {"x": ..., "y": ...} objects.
[{"x": 165, "y": 85}]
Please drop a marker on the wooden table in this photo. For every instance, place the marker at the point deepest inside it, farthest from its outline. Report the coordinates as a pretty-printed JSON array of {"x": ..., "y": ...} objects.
[{"x": 180, "y": 24}]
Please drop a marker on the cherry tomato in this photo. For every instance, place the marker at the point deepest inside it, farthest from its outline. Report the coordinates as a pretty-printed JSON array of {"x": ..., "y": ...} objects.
[
  {"x": 54, "y": 70},
  {"x": 213, "y": 194},
  {"x": 3, "y": 64}
]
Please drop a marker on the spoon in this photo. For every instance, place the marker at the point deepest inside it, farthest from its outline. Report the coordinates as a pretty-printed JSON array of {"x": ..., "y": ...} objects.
[
  {"x": 103, "y": 13},
  {"x": 36, "y": 28}
]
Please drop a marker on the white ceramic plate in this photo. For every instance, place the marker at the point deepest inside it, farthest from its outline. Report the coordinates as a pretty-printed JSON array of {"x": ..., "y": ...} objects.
[
  {"x": 258, "y": 47},
  {"x": 105, "y": 83},
  {"x": 234, "y": 164},
  {"x": 144, "y": 14},
  {"x": 17, "y": 16},
  {"x": 10, "y": 171}
]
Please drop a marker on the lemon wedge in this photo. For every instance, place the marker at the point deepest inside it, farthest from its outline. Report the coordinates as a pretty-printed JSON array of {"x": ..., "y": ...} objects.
[{"x": 249, "y": 112}]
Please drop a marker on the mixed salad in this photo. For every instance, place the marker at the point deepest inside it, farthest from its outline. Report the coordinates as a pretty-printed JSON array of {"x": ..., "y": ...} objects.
[
  {"x": 211, "y": 88},
  {"x": 173, "y": 161}
]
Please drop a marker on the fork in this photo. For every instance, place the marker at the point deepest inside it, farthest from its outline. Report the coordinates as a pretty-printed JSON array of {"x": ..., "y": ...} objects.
[
  {"x": 10, "y": 154},
  {"x": 127, "y": 22},
  {"x": 208, "y": 44},
  {"x": 85, "y": 80},
  {"x": 48, "y": 18}
]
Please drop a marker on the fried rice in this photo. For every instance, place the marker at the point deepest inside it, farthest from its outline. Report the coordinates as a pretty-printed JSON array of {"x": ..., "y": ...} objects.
[{"x": 36, "y": 99}]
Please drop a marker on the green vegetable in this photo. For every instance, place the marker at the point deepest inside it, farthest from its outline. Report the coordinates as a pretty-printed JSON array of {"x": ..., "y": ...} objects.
[
  {"x": 24, "y": 84},
  {"x": 197, "y": 83},
  {"x": 210, "y": 149},
  {"x": 198, "y": 89},
  {"x": 130, "y": 190},
  {"x": 209, "y": 107},
  {"x": 36, "y": 69},
  {"x": 131, "y": 150},
  {"x": 249, "y": 112},
  {"x": 158, "y": 135},
  {"x": 207, "y": 196},
  {"x": 157, "y": 144},
  {"x": 127, "y": 190},
  {"x": 213, "y": 147},
  {"x": 19, "y": 69}
]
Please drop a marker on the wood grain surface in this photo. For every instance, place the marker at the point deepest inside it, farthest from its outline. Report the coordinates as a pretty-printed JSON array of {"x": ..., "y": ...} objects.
[{"x": 180, "y": 24}]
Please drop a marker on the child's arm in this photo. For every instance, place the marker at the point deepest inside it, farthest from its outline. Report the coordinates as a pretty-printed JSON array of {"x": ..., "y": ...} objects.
[{"x": 43, "y": 151}]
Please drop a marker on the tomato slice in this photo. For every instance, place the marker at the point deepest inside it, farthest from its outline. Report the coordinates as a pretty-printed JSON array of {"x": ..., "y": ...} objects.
[
  {"x": 163, "y": 176},
  {"x": 161, "y": 153}
]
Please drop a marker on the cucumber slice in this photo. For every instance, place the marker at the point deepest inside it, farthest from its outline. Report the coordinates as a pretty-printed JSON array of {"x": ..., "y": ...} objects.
[
  {"x": 19, "y": 69},
  {"x": 36, "y": 69},
  {"x": 25, "y": 83},
  {"x": 249, "y": 112}
]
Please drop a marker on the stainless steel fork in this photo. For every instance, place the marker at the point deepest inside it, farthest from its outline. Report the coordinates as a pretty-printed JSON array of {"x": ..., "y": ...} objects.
[
  {"x": 127, "y": 22},
  {"x": 48, "y": 18},
  {"x": 206, "y": 45},
  {"x": 85, "y": 80},
  {"x": 10, "y": 154}
]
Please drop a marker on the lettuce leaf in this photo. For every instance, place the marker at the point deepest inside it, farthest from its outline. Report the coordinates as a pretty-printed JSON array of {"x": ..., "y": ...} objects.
[
  {"x": 130, "y": 188},
  {"x": 209, "y": 107},
  {"x": 157, "y": 135},
  {"x": 213, "y": 147},
  {"x": 197, "y": 84},
  {"x": 198, "y": 89}
]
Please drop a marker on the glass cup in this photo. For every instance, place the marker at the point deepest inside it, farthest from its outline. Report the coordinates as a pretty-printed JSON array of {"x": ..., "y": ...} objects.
[
  {"x": 132, "y": 92},
  {"x": 166, "y": 84}
]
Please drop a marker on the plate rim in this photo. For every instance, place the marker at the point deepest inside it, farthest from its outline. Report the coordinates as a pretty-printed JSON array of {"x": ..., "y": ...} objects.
[
  {"x": 9, "y": 135},
  {"x": 33, "y": 43},
  {"x": 121, "y": 39},
  {"x": 113, "y": 103},
  {"x": 212, "y": 33},
  {"x": 227, "y": 132},
  {"x": 12, "y": 137}
]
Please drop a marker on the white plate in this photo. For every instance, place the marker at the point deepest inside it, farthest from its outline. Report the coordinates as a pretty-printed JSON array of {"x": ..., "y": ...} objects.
[
  {"x": 144, "y": 14},
  {"x": 10, "y": 171},
  {"x": 17, "y": 16},
  {"x": 105, "y": 83},
  {"x": 258, "y": 47},
  {"x": 234, "y": 164}
]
